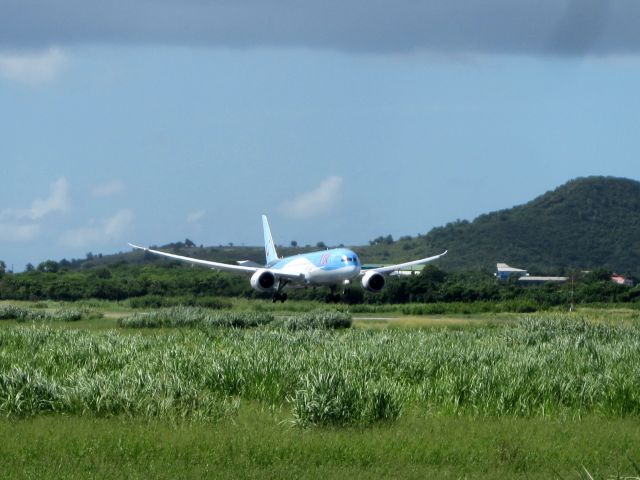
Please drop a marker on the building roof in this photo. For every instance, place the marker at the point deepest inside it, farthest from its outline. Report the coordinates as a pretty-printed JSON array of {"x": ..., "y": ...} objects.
[
  {"x": 503, "y": 267},
  {"x": 543, "y": 279}
]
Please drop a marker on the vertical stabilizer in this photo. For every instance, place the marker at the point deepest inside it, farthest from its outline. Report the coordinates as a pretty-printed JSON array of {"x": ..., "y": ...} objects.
[{"x": 269, "y": 246}]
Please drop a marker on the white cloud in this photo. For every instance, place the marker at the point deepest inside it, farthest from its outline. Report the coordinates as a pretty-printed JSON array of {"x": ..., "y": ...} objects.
[
  {"x": 33, "y": 68},
  {"x": 10, "y": 232},
  {"x": 57, "y": 201},
  {"x": 108, "y": 189},
  {"x": 100, "y": 233},
  {"x": 316, "y": 202},
  {"x": 118, "y": 224},
  {"x": 194, "y": 217}
]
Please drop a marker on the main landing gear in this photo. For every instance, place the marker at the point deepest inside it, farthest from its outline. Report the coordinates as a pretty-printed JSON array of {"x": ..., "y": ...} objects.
[
  {"x": 278, "y": 296},
  {"x": 334, "y": 297}
]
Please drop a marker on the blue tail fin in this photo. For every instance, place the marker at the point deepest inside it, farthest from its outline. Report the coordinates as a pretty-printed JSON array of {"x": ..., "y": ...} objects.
[{"x": 269, "y": 246}]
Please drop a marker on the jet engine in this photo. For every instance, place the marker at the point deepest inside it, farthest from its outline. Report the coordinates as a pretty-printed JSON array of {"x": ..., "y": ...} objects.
[
  {"x": 373, "y": 281},
  {"x": 263, "y": 281}
]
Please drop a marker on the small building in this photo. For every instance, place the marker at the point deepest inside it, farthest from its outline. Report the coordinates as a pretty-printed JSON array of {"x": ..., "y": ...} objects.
[
  {"x": 620, "y": 280},
  {"x": 530, "y": 280},
  {"x": 505, "y": 272}
]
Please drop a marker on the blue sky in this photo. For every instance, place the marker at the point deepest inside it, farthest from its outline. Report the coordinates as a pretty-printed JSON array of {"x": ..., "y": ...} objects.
[{"x": 336, "y": 133}]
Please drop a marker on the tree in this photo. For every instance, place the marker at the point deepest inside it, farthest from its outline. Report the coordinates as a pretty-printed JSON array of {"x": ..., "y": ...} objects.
[
  {"x": 321, "y": 245},
  {"x": 30, "y": 267},
  {"x": 294, "y": 244},
  {"x": 49, "y": 266},
  {"x": 388, "y": 240},
  {"x": 3, "y": 267}
]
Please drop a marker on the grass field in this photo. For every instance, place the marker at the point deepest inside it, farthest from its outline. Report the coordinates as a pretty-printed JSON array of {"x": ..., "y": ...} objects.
[
  {"x": 256, "y": 445},
  {"x": 450, "y": 396}
]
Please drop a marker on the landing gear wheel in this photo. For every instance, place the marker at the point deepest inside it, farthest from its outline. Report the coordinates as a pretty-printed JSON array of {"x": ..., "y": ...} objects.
[{"x": 279, "y": 297}]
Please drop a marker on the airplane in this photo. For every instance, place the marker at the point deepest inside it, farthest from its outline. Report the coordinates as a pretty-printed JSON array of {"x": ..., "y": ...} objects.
[{"x": 336, "y": 267}]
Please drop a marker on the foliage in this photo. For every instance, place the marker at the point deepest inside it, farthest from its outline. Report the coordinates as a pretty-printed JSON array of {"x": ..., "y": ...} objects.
[
  {"x": 585, "y": 224},
  {"x": 157, "y": 301},
  {"x": 548, "y": 365},
  {"x": 319, "y": 318},
  {"x": 12, "y": 312},
  {"x": 181, "y": 316},
  {"x": 156, "y": 286},
  {"x": 330, "y": 397}
]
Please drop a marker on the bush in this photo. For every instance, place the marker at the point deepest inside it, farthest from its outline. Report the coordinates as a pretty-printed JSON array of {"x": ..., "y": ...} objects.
[
  {"x": 332, "y": 397},
  {"x": 26, "y": 392},
  {"x": 12, "y": 312}
]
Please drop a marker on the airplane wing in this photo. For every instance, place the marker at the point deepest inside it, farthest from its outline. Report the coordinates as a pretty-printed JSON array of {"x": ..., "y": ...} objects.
[
  {"x": 394, "y": 268},
  {"x": 225, "y": 267}
]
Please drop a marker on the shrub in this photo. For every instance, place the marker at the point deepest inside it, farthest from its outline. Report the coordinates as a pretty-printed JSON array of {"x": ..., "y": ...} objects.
[
  {"x": 12, "y": 312},
  {"x": 333, "y": 397}
]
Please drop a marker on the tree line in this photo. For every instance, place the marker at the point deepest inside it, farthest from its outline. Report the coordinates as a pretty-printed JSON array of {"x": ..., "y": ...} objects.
[{"x": 51, "y": 281}]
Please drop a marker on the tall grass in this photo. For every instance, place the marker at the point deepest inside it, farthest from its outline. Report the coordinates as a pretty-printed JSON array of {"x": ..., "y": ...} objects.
[
  {"x": 157, "y": 301},
  {"x": 550, "y": 366},
  {"x": 21, "y": 314},
  {"x": 319, "y": 318},
  {"x": 181, "y": 316}
]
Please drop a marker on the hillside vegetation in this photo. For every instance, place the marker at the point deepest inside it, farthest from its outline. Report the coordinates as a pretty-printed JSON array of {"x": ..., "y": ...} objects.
[{"x": 586, "y": 223}]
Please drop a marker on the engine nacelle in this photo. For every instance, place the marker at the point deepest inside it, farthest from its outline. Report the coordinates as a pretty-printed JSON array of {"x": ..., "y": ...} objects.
[
  {"x": 373, "y": 281},
  {"x": 263, "y": 281}
]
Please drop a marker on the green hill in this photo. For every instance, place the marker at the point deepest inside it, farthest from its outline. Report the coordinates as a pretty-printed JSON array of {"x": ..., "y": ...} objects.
[{"x": 584, "y": 224}]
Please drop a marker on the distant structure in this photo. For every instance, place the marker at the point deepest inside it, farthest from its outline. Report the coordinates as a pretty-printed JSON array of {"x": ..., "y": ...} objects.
[
  {"x": 530, "y": 280},
  {"x": 620, "y": 280},
  {"x": 505, "y": 272}
]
